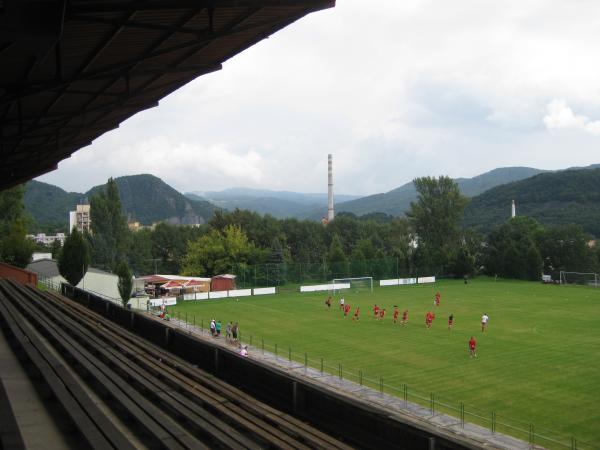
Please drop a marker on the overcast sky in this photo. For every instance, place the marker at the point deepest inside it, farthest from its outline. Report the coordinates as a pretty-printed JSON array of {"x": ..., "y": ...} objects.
[{"x": 393, "y": 89}]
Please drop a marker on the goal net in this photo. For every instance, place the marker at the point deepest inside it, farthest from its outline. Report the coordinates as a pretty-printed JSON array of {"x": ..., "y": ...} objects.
[
  {"x": 357, "y": 284},
  {"x": 585, "y": 279}
]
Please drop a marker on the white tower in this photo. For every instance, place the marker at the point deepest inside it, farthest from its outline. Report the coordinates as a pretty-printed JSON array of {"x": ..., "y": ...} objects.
[
  {"x": 513, "y": 211},
  {"x": 329, "y": 188}
]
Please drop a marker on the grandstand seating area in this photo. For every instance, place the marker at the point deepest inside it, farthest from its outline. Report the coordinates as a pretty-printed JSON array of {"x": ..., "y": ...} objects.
[{"x": 115, "y": 389}]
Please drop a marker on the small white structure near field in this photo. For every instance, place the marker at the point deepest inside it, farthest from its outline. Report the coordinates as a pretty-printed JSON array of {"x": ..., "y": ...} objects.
[
  {"x": 38, "y": 255},
  {"x": 95, "y": 280}
]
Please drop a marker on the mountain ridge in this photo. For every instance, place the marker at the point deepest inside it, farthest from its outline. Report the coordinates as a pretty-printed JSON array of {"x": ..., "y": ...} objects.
[
  {"x": 397, "y": 201},
  {"x": 144, "y": 198},
  {"x": 552, "y": 198}
]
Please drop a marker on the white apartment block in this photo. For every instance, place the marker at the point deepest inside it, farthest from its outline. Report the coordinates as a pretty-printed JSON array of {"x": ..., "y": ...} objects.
[
  {"x": 80, "y": 218},
  {"x": 42, "y": 238}
]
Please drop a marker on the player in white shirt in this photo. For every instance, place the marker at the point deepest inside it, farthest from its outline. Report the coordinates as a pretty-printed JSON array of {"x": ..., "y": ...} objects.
[{"x": 484, "y": 322}]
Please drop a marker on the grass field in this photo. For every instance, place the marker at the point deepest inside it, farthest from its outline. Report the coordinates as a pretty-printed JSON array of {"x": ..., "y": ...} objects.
[{"x": 539, "y": 361}]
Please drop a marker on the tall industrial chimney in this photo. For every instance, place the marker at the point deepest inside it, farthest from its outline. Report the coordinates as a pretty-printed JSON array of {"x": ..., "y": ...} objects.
[
  {"x": 329, "y": 188},
  {"x": 513, "y": 211}
]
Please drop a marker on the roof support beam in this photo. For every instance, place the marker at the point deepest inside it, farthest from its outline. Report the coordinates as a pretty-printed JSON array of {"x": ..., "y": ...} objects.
[
  {"x": 138, "y": 24},
  {"x": 141, "y": 5},
  {"x": 193, "y": 45}
]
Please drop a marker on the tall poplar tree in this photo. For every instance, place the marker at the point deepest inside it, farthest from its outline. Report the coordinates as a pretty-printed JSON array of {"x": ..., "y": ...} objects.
[
  {"x": 110, "y": 234},
  {"x": 125, "y": 283},
  {"x": 15, "y": 247},
  {"x": 74, "y": 259},
  {"x": 436, "y": 219}
]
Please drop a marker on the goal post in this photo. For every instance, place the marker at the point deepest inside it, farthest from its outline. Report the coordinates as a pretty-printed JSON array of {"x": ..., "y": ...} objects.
[
  {"x": 582, "y": 278},
  {"x": 356, "y": 283}
]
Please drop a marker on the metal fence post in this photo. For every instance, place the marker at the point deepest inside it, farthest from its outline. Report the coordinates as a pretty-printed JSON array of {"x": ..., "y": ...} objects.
[
  {"x": 531, "y": 435},
  {"x": 275, "y": 351},
  {"x": 360, "y": 377},
  {"x": 462, "y": 414},
  {"x": 493, "y": 422},
  {"x": 381, "y": 385},
  {"x": 340, "y": 368},
  {"x": 262, "y": 340},
  {"x": 290, "y": 353},
  {"x": 305, "y": 360},
  {"x": 321, "y": 365},
  {"x": 432, "y": 403}
]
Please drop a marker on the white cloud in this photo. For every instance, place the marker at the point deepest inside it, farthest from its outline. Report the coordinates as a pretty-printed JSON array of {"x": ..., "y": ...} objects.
[
  {"x": 561, "y": 116},
  {"x": 393, "y": 89},
  {"x": 183, "y": 165}
]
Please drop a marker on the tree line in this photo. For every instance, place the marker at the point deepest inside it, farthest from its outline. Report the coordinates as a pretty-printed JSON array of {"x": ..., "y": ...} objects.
[{"x": 430, "y": 240}]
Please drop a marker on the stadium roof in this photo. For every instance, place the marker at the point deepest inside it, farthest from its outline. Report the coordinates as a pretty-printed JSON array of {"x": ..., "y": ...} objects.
[{"x": 72, "y": 70}]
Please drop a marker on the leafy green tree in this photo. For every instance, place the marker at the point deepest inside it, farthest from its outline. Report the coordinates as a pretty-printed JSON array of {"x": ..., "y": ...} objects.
[
  {"x": 74, "y": 258},
  {"x": 513, "y": 261},
  {"x": 533, "y": 263},
  {"x": 168, "y": 247},
  {"x": 139, "y": 255},
  {"x": 277, "y": 262},
  {"x": 436, "y": 217},
  {"x": 217, "y": 252},
  {"x": 15, "y": 247},
  {"x": 347, "y": 229},
  {"x": 510, "y": 249},
  {"x": 366, "y": 247},
  {"x": 125, "y": 283},
  {"x": 474, "y": 244},
  {"x": 305, "y": 239},
  {"x": 110, "y": 234},
  {"x": 260, "y": 230},
  {"x": 462, "y": 263},
  {"x": 336, "y": 258},
  {"x": 381, "y": 266},
  {"x": 565, "y": 247},
  {"x": 358, "y": 263},
  {"x": 55, "y": 248}
]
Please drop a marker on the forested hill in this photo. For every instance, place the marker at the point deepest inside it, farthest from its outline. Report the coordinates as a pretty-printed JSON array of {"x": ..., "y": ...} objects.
[
  {"x": 145, "y": 198},
  {"x": 148, "y": 199},
  {"x": 279, "y": 204},
  {"x": 397, "y": 201},
  {"x": 49, "y": 206},
  {"x": 570, "y": 196}
]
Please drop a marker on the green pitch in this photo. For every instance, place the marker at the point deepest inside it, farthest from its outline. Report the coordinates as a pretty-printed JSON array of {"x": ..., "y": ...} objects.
[{"x": 538, "y": 362}]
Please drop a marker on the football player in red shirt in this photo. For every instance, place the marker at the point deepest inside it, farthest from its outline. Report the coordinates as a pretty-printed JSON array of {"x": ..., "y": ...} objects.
[
  {"x": 346, "y": 309},
  {"x": 404, "y": 317},
  {"x": 396, "y": 312},
  {"x": 428, "y": 319},
  {"x": 472, "y": 345}
]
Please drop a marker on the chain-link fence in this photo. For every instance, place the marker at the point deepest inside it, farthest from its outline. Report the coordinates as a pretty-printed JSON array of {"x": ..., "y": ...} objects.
[
  {"x": 281, "y": 274},
  {"x": 413, "y": 399}
]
